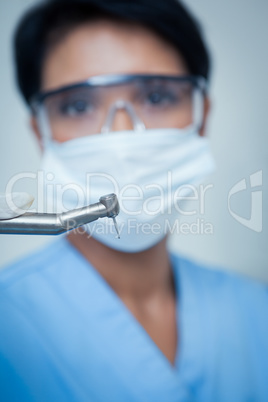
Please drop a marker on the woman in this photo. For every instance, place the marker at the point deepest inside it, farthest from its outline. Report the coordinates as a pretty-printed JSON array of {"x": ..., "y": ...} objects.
[{"x": 118, "y": 97}]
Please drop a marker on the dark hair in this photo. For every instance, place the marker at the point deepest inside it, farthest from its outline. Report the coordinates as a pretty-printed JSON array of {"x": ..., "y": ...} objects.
[{"x": 51, "y": 18}]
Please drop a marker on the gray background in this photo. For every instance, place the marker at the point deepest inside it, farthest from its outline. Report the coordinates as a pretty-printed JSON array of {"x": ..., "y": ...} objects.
[{"x": 237, "y": 33}]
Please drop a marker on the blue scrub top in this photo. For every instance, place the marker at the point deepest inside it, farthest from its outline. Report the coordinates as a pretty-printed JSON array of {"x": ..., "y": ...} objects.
[{"x": 66, "y": 336}]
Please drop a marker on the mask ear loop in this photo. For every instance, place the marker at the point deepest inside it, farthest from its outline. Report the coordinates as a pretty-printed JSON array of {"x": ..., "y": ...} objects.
[
  {"x": 43, "y": 125},
  {"x": 198, "y": 105},
  {"x": 138, "y": 125}
]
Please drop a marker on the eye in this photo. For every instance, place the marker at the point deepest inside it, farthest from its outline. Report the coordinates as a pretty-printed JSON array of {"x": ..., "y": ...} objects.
[
  {"x": 155, "y": 98},
  {"x": 159, "y": 97},
  {"x": 76, "y": 107}
]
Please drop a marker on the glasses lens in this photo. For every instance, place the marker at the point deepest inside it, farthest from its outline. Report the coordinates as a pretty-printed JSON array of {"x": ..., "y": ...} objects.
[
  {"x": 158, "y": 102},
  {"x": 165, "y": 103},
  {"x": 73, "y": 113}
]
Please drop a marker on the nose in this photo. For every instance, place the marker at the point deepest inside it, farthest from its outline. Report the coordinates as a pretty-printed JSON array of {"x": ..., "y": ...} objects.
[
  {"x": 122, "y": 116},
  {"x": 122, "y": 121}
]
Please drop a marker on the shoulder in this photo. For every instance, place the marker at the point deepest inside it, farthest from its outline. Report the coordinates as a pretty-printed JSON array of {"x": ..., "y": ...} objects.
[
  {"x": 35, "y": 286},
  {"x": 222, "y": 289},
  {"x": 202, "y": 273},
  {"x": 48, "y": 258},
  {"x": 232, "y": 315}
]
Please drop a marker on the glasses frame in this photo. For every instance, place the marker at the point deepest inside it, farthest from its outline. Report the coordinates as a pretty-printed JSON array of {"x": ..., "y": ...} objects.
[
  {"x": 117, "y": 79},
  {"x": 37, "y": 101}
]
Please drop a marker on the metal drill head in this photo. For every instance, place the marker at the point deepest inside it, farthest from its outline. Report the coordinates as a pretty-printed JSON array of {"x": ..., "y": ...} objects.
[{"x": 110, "y": 202}]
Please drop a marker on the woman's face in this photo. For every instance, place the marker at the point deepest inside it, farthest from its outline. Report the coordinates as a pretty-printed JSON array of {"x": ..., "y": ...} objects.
[{"x": 107, "y": 47}]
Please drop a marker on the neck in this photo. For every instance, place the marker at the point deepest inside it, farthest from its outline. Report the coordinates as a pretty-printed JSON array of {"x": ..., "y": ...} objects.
[{"x": 138, "y": 276}]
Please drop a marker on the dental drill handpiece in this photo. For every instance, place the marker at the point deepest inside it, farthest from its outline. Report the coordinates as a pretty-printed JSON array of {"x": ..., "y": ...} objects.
[{"x": 54, "y": 224}]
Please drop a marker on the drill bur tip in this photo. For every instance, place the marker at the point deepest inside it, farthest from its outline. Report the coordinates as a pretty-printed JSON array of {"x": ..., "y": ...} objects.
[{"x": 116, "y": 228}]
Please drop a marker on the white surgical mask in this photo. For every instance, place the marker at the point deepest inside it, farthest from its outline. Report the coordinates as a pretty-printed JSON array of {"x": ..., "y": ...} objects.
[{"x": 147, "y": 170}]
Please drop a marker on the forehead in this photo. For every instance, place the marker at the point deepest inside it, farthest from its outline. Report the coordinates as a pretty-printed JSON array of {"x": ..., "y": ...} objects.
[{"x": 107, "y": 47}]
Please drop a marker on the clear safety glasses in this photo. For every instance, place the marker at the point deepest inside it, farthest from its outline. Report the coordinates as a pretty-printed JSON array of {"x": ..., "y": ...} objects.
[{"x": 148, "y": 101}]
